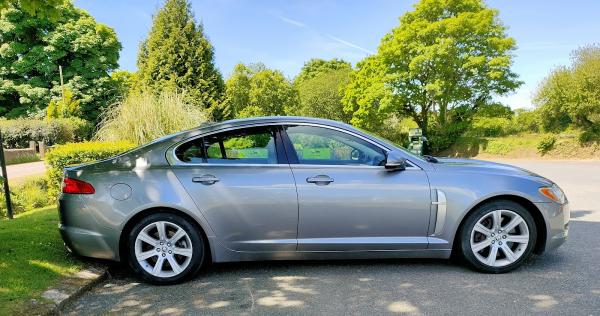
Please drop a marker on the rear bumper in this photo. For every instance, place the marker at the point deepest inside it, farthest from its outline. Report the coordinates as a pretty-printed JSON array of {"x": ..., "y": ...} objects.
[
  {"x": 557, "y": 219},
  {"x": 82, "y": 234}
]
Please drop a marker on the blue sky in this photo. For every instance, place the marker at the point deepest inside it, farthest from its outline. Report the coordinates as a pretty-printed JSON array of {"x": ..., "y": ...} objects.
[{"x": 285, "y": 34}]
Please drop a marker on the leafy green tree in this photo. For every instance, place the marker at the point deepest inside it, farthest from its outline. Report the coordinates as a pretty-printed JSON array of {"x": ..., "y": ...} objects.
[
  {"x": 177, "y": 55},
  {"x": 64, "y": 107},
  {"x": 320, "y": 93},
  {"x": 124, "y": 81},
  {"x": 317, "y": 66},
  {"x": 571, "y": 95},
  {"x": 34, "y": 46},
  {"x": 255, "y": 90},
  {"x": 42, "y": 8},
  {"x": 445, "y": 59}
]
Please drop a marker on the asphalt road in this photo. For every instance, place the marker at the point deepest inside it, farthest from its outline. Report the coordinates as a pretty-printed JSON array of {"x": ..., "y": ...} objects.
[{"x": 566, "y": 281}]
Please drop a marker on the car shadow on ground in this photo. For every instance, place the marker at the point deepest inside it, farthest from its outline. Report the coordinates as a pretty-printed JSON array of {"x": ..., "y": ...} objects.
[{"x": 413, "y": 286}]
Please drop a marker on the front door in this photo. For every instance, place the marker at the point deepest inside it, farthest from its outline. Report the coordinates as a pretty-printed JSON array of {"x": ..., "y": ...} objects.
[
  {"x": 243, "y": 185},
  {"x": 348, "y": 201}
]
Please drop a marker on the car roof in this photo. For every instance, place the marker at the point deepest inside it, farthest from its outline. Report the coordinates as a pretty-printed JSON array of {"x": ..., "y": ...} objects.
[{"x": 272, "y": 119}]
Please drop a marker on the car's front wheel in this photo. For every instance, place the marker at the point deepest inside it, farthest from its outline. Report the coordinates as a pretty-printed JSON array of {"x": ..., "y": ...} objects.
[
  {"x": 165, "y": 249},
  {"x": 498, "y": 237}
]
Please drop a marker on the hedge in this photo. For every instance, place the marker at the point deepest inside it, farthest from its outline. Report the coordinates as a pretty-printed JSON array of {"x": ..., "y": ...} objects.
[
  {"x": 77, "y": 153},
  {"x": 17, "y": 133}
]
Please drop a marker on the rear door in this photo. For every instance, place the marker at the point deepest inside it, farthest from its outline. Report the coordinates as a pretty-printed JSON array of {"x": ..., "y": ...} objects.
[{"x": 241, "y": 181}]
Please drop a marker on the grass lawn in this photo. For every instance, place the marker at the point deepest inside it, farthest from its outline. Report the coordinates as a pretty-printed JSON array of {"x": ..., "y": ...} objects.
[{"x": 33, "y": 258}]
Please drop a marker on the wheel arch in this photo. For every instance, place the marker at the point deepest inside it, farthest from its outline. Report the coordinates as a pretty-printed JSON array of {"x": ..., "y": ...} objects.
[
  {"x": 123, "y": 253},
  {"x": 538, "y": 218}
]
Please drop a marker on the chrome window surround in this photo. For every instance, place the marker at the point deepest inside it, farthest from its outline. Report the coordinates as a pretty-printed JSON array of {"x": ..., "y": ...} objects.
[{"x": 174, "y": 161}]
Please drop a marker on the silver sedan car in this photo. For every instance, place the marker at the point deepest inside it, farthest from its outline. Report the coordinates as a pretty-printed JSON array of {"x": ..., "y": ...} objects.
[{"x": 286, "y": 188}]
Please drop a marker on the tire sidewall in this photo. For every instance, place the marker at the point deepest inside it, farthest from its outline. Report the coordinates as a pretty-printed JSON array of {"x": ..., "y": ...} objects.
[
  {"x": 467, "y": 227},
  {"x": 198, "y": 254}
]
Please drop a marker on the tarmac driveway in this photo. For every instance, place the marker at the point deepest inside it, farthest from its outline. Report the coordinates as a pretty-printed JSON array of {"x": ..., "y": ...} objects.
[{"x": 566, "y": 281}]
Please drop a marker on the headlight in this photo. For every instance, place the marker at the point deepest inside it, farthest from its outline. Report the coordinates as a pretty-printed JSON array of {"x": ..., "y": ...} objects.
[{"x": 554, "y": 193}]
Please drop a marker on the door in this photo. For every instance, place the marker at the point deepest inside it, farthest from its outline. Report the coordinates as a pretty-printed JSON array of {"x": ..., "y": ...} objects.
[
  {"x": 243, "y": 185},
  {"x": 348, "y": 200}
]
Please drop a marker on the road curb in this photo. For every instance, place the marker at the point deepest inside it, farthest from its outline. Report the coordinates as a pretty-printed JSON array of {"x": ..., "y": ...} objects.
[{"x": 69, "y": 289}]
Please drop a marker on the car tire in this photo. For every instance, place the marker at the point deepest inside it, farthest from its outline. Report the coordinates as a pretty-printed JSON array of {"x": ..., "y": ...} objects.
[
  {"x": 513, "y": 236},
  {"x": 165, "y": 248}
]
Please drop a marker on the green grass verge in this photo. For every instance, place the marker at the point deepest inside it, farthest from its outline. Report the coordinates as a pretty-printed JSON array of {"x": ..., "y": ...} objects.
[
  {"x": 33, "y": 258},
  {"x": 522, "y": 146},
  {"x": 23, "y": 159}
]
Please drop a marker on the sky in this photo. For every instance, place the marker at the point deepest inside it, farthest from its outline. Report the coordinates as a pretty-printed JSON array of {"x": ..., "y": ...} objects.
[{"x": 285, "y": 34}]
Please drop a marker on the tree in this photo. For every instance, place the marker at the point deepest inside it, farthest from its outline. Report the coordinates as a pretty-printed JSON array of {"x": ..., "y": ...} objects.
[
  {"x": 33, "y": 48},
  {"x": 320, "y": 87},
  {"x": 255, "y": 90},
  {"x": 571, "y": 95},
  {"x": 64, "y": 107},
  {"x": 445, "y": 57},
  {"x": 42, "y": 8},
  {"x": 317, "y": 66},
  {"x": 177, "y": 55}
]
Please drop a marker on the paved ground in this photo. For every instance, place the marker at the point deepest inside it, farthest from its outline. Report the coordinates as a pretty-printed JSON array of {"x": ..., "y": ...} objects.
[
  {"x": 563, "y": 282},
  {"x": 20, "y": 171}
]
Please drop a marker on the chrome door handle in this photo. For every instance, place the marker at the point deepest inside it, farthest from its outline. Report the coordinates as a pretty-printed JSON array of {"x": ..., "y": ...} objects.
[
  {"x": 319, "y": 180},
  {"x": 207, "y": 179}
]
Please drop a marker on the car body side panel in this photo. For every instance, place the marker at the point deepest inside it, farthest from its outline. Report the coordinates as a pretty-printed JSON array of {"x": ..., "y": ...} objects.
[
  {"x": 99, "y": 218},
  {"x": 465, "y": 190}
]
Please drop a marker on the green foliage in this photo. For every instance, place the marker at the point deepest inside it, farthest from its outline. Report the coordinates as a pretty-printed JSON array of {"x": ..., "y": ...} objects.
[
  {"x": 26, "y": 196},
  {"x": 366, "y": 97},
  {"x": 177, "y": 56},
  {"x": 140, "y": 118},
  {"x": 494, "y": 110},
  {"x": 445, "y": 54},
  {"x": 255, "y": 90},
  {"x": 318, "y": 66},
  {"x": 124, "y": 82},
  {"x": 490, "y": 126},
  {"x": 66, "y": 106},
  {"x": 320, "y": 94},
  {"x": 546, "y": 144},
  {"x": 77, "y": 153},
  {"x": 17, "y": 133},
  {"x": 42, "y": 8},
  {"x": 526, "y": 121},
  {"x": 571, "y": 95},
  {"x": 34, "y": 46}
]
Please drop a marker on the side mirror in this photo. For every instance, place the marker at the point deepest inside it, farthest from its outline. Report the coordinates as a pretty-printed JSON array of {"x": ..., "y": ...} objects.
[{"x": 395, "y": 161}]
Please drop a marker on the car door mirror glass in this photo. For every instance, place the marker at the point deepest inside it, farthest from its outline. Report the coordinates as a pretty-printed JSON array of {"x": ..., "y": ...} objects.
[{"x": 395, "y": 161}]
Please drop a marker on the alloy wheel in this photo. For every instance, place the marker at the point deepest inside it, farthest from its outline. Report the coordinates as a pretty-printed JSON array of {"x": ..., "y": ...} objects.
[
  {"x": 499, "y": 238},
  {"x": 163, "y": 249}
]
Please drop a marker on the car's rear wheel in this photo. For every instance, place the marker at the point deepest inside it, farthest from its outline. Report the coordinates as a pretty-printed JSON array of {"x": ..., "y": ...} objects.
[
  {"x": 165, "y": 249},
  {"x": 498, "y": 237}
]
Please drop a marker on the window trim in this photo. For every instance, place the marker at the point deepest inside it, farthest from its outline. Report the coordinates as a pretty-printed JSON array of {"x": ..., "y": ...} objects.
[
  {"x": 275, "y": 129},
  {"x": 281, "y": 149}
]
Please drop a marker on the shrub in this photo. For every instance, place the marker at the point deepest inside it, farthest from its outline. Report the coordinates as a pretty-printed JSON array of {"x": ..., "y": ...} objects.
[
  {"x": 140, "y": 118},
  {"x": 17, "y": 133},
  {"x": 30, "y": 194},
  {"x": 491, "y": 126},
  {"x": 526, "y": 121},
  {"x": 78, "y": 153},
  {"x": 546, "y": 144}
]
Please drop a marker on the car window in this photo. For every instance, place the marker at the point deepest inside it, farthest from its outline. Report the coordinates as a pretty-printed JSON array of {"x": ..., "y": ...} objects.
[
  {"x": 323, "y": 146},
  {"x": 248, "y": 145}
]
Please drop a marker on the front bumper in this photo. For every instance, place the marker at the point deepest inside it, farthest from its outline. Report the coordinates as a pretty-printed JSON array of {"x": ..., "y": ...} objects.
[{"x": 557, "y": 217}]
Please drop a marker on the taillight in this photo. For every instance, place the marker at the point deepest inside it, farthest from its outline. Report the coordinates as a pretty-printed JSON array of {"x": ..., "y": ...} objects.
[{"x": 74, "y": 186}]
